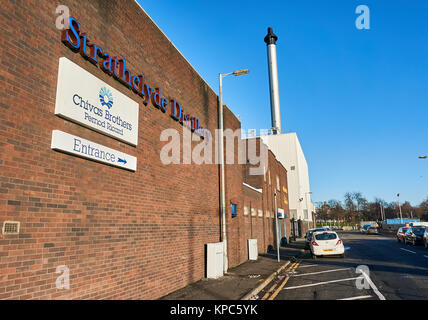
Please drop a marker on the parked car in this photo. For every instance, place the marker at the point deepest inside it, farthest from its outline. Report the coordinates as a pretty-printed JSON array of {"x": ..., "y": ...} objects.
[
  {"x": 414, "y": 235},
  {"x": 372, "y": 230},
  {"x": 426, "y": 238},
  {"x": 365, "y": 228},
  {"x": 325, "y": 243},
  {"x": 400, "y": 233},
  {"x": 419, "y": 224},
  {"x": 308, "y": 237}
]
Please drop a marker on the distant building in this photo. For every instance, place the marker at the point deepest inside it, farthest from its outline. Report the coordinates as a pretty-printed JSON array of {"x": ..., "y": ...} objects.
[
  {"x": 287, "y": 149},
  {"x": 401, "y": 221}
]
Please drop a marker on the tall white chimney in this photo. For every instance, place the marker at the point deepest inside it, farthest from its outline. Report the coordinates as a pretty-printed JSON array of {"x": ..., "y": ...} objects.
[{"x": 270, "y": 40}]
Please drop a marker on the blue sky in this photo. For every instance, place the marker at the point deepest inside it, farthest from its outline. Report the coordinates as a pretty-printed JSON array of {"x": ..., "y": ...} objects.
[{"x": 358, "y": 99}]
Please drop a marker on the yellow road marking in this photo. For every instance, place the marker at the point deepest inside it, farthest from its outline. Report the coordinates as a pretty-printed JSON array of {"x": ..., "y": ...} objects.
[
  {"x": 274, "y": 286},
  {"x": 292, "y": 268}
]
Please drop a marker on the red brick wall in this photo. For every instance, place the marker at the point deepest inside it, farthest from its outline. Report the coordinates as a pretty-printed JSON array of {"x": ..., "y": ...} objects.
[
  {"x": 273, "y": 169},
  {"x": 233, "y": 184},
  {"x": 255, "y": 223},
  {"x": 124, "y": 235}
]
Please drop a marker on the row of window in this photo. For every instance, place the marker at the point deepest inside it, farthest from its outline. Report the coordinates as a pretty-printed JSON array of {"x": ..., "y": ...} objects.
[
  {"x": 277, "y": 180},
  {"x": 254, "y": 212}
]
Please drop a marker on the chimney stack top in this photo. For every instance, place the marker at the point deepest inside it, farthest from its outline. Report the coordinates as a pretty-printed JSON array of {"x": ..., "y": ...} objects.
[{"x": 270, "y": 38}]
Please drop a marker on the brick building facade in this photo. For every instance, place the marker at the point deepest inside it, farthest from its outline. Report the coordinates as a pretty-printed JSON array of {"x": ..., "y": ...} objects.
[
  {"x": 122, "y": 234},
  {"x": 274, "y": 179}
]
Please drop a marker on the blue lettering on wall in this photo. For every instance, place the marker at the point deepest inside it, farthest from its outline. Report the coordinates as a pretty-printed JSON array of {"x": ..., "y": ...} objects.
[{"x": 110, "y": 65}]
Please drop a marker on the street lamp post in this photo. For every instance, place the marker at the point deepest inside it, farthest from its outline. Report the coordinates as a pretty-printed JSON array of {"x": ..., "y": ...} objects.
[
  {"x": 382, "y": 213},
  {"x": 307, "y": 208},
  {"x": 221, "y": 156},
  {"x": 399, "y": 207},
  {"x": 277, "y": 227}
]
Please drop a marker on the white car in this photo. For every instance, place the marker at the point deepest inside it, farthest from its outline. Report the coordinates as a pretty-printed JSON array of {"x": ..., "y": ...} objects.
[
  {"x": 426, "y": 238},
  {"x": 326, "y": 243}
]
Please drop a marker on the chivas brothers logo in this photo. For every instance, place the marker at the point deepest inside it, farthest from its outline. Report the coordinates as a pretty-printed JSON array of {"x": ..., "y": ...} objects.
[{"x": 106, "y": 98}]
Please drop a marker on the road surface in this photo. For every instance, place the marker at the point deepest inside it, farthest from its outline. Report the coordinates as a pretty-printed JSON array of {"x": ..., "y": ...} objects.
[{"x": 375, "y": 267}]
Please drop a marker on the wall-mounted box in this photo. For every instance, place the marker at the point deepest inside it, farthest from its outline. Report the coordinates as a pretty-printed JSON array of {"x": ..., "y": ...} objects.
[
  {"x": 214, "y": 260},
  {"x": 252, "y": 249}
]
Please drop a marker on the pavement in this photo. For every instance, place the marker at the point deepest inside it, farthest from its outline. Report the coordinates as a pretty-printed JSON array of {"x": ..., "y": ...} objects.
[{"x": 245, "y": 281}]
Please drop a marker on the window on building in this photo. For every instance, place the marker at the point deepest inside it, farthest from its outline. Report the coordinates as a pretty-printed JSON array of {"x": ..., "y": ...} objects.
[
  {"x": 253, "y": 212},
  {"x": 245, "y": 211},
  {"x": 305, "y": 212},
  {"x": 260, "y": 212},
  {"x": 277, "y": 184},
  {"x": 233, "y": 209},
  {"x": 293, "y": 168},
  {"x": 269, "y": 177}
]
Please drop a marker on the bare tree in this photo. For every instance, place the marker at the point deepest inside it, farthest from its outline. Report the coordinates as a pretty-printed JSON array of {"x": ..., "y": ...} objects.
[{"x": 356, "y": 208}]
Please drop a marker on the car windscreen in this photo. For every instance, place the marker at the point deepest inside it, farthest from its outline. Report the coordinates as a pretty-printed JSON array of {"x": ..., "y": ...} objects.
[
  {"x": 418, "y": 230},
  {"x": 325, "y": 236}
]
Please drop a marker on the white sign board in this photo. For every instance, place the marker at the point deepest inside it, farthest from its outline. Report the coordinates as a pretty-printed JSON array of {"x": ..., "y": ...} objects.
[
  {"x": 69, "y": 143},
  {"x": 83, "y": 98}
]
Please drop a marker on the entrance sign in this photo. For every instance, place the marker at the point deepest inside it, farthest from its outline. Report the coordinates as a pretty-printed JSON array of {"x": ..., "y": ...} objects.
[
  {"x": 83, "y": 98},
  {"x": 74, "y": 145}
]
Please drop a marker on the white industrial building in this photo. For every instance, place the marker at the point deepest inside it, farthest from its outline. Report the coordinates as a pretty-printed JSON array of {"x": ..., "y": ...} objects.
[{"x": 288, "y": 151}]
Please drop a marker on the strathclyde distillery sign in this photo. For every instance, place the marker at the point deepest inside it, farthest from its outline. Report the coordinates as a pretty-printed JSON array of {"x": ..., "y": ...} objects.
[{"x": 121, "y": 124}]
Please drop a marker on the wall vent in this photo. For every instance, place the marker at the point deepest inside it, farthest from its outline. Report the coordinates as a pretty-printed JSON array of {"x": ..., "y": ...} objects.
[{"x": 10, "y": 227}]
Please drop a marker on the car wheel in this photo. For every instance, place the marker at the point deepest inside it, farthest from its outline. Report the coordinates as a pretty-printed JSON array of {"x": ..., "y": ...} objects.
[
  {"x": 414, "y": 242},
  {"x": 342, "y": 255},
  {"x": 426, "y": 245}
]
